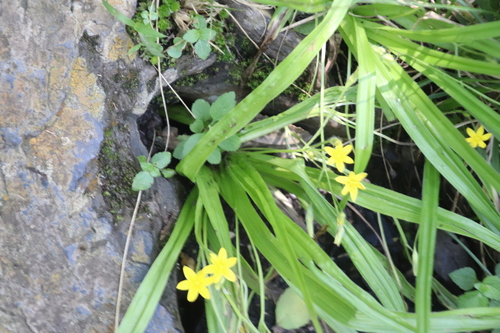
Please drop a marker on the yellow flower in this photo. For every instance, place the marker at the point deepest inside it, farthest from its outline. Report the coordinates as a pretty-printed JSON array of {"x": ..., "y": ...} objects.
[
  {"x": 352, "y": 183},
  {"x": 339, "y": 155},
  {"x": 195, "y": 283},
  {"x": 220, "y": 266},
  {"x": 477, "y": 138}
]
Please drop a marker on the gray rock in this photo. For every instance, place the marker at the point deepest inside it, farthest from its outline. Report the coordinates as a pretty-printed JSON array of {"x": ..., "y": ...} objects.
[{"x": 69, "y": 93}]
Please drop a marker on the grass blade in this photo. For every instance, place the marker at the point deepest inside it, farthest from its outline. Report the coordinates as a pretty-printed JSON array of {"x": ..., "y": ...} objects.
[{"x": 426, "y": 246}]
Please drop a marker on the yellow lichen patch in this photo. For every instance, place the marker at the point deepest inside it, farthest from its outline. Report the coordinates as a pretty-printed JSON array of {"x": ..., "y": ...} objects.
[
  {"x": 120, "y": 47},
  {"x": 73, "y": 137},
  {"x": 84, "y": 86}
]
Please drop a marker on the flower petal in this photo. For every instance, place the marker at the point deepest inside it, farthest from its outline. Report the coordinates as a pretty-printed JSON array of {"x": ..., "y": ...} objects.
[
  {"x": 229, "y": 275},
  {"x": 204, "y": 292},
  {"x": 188, "y": 273},
  {"x": 183, "y": 285},
  {"x": 230, "y": 262},
  {"x": 480, "y": 131},
  {"x": 192, "y": 295},
  {"x": 222, "y": 253},
  {"x": 354, "y": 193}
]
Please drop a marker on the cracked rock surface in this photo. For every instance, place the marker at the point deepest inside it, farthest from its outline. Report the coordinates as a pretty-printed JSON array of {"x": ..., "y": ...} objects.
[{"x": 68, "y": 89}]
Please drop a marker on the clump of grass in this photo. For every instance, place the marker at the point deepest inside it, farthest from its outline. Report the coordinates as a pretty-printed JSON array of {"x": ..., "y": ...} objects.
[{"x": 387, "y": 40}]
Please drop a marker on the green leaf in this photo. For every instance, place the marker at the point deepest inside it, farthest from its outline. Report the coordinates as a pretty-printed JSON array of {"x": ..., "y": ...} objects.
[
  {"x": 472, "y": 299},
  {"x": 142, "y": 181},
  {"x": 202, "y": 49},
  {"x": 191, "y": 36},
  {"x": 152, "y": 46},
  {"x": 222, "y": 105},
  {"x": 201, "y": 109},
  {"x": 161, "y": 160},
  {"x": 490, "y": 287},
  {"x": 135, "y": 48},
  {"x": 291, "y": 310},
  {"x": 197, "y": 126},
  {"x": 178, "y": 150},
  {"x": 497, "y": 269},
  {"x": 175, "y": 51},
  {"x": 214, "y": 157},
  {"x": 232, "y": 143},
  {"x": 119, "y": 16},
  {"x": 147, "y": 30},
  {"x": 142, "y": 159},
  {"x": 190, "y": 143},
  {"x": 464, "y": 278},
  {"x": 167, "y": 173},
  {"x": 200, "y": 22},
  {"x": 207, "y": 34},
  {"x": 281, "y": 77}
]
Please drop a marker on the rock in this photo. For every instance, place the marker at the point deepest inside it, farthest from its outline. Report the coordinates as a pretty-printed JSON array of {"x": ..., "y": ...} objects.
[{"x": 68, "y": 140}]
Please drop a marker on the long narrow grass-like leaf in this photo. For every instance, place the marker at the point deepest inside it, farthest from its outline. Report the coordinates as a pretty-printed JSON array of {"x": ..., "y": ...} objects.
[
  {"x": 408, "y": 102},
  {"x": 259, "y": 192},
  {"x": 365, "y": 102},
  {"x": 308, "y": 6},
  {"x": 334, "y": 96},
  {"x": 382, "y": 200},
  {"x": 209, "y": 195},
  {"x": 403, "y": 46},
  {"x": 360, "y": 252},
  {"x": 272, "y": 248},
  {"x": 426, "y": 246},
  {"x": 463, "y": 35},
  {"x": 279, "y": 79},
  {"x": 477, "y": 108},
  {"x": 148, "y": 295}
]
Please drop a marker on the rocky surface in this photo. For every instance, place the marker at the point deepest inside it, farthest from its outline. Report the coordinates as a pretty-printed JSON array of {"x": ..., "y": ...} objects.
[{"x": 68, "y": 141}]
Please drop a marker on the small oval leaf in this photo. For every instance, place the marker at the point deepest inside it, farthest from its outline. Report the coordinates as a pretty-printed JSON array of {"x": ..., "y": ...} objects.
[
  {"x": 291, "y": 311},
  {"x": 142, "y": 181},
  {"x": 232, "y": 143}
]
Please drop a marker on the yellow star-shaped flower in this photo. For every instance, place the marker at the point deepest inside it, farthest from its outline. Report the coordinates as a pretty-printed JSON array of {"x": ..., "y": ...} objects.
[
  {"x": 477, "y": 138},
  {"x": 221, "y": 266},
  {"x": 352, "y": 183},
  {"x": 339, "y": 155},
  {"x": 195, "y": 283}
]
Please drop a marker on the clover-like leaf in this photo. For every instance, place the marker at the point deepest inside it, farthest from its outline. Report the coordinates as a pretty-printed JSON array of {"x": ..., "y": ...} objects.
[
  {"x": 197, "y": 126},
  {"x": 490, "y": 287},
  {"x": 291, "y": 310},
  {"x": 174, "y": 51},
  {"x": 142, "y": 181},
  {"x": 167, "y": 173},
  {"x": 231, "y": 144},
  {"x": 190, "y": 143},
  {"x": 200, "y": 22},
  {"x": 191, "y": 36},
  {"x": 215, "y": 156},
  {"x": 202, "y": 49},
  {"x": 464, "y": 278},
  {"x": 201, "y": 109},
  {"x": 148, "y": 167},
  {"x": 207, "y": 34},
  {"x": 222, "y": 105},
  {"x": 472, "y": 299},
  {"x": 179, "y": 150},
  {"x": 161, "y": 160}
]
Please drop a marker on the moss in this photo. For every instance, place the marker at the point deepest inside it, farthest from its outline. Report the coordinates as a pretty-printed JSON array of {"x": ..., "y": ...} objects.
[{"x": 116, "y": 174}]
